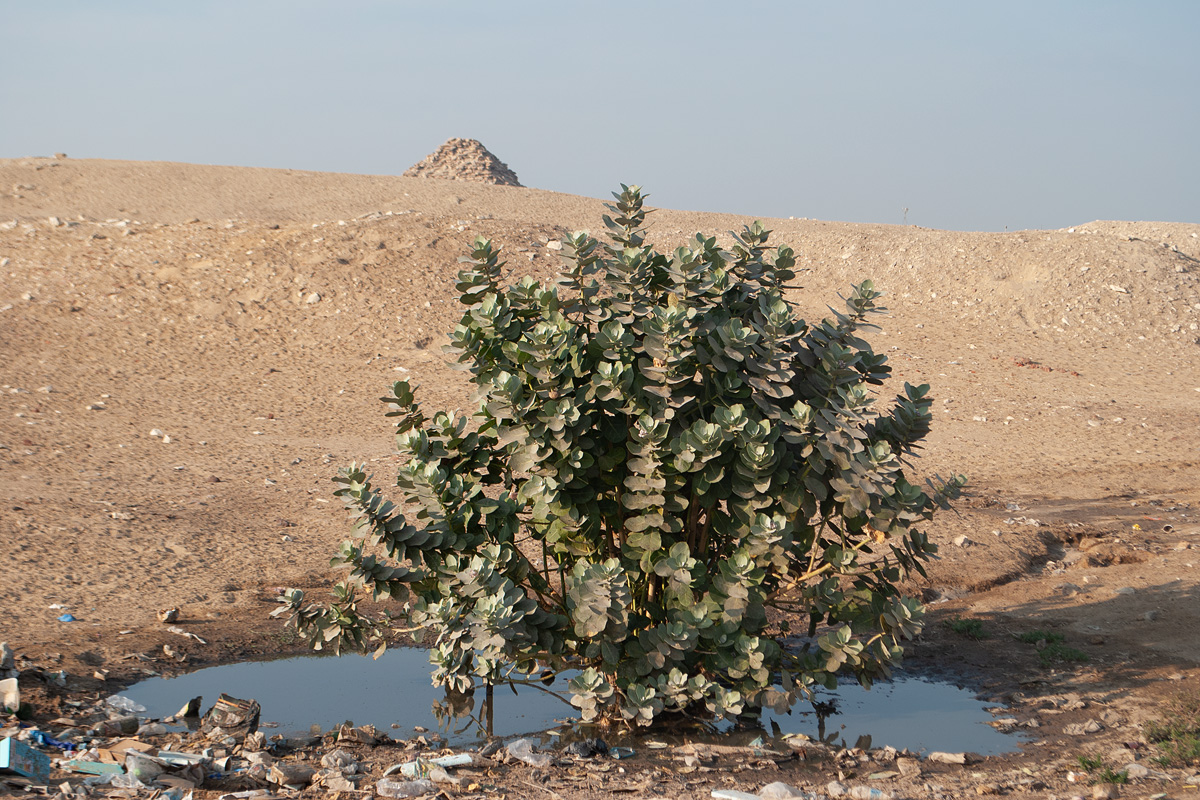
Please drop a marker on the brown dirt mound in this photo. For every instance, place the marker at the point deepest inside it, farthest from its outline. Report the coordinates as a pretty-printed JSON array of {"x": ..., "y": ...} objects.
[
  {"x": 188, "y": 354},
  {"x": 464, "y": 160}
]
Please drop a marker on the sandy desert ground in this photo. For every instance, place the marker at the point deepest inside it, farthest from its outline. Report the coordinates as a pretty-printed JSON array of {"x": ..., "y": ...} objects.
[{"x": 188, "y": 353}]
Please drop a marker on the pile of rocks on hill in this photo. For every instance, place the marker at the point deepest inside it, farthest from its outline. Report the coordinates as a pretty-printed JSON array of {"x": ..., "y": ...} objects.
[{"x": 464, "y": 160}]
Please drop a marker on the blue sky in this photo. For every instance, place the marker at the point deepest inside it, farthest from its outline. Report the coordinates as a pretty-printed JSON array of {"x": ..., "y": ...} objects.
[{"x": 972, "y": 115}]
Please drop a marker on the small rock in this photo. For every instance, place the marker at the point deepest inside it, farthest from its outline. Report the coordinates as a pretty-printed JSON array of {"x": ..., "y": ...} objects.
[
  {"x": 1106, "y": 791},
  {"x": 312, "y": 298}
]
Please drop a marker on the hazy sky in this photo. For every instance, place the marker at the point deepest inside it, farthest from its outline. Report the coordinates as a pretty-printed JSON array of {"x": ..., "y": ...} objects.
[{"x": 970, "y": 114}]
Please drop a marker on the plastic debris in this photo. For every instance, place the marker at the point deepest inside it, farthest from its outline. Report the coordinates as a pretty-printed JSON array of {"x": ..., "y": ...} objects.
[
  {"x": 68, "y": 617},
  {"x": 181, "y": 632},
  {"x": 339, "y": 760},
  {"x": 122, "y": 703},
  {"x": 420, "y": 768},
  {"x": 363, "y": 734},
  {"x": 621, "y": 752},
  {"x": 587, "y": 748},
  {"x": 8, "y": 666},
  {"x": 10, "y": 695},
  {"x": 732, "y": 794},
  {"x": 43, "y": 739},
  {"x": 91, "y": 767},
  {"x": 21, "y": 759},
  {"x": 948, "y": 758},
  {"x": 291, "y": 773},
  {"x": 522, "y": 750},
  {"x": 231, "y": 717},
  {"x": 141, "y": 766},
  {"x": 869, "y": 793},
  {"x": 190, "y": 711},
  {"x": 781, "y": 791},
  {"x": 118, "y": 726},
  {"x": 180, "y": 759},
  {"x": 838, "y": 789},
  {"x": 386, "y": 787}
]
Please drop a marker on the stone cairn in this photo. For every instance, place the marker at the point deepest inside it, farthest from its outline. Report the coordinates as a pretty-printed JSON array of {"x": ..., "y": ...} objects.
[{"x": 464, "y": 160}]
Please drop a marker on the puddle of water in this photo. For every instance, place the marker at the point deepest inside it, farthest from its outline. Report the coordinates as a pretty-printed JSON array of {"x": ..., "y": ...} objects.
[{"x": 297, "y": 693}]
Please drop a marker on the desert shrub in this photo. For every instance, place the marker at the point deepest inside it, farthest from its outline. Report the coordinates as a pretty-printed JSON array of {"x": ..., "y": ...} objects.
[
  {"x": 1051, "y": 649},
  {"x": 1101, "y": 772},
  {"x": 1177, "y": 735},
  {"x": 661, "y": 453},
  {"x": 970, "y": 628}
]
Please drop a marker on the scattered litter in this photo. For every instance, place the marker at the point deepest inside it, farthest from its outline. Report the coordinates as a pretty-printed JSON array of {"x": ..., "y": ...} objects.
[
  {"x": 10, "y": 695},
  {"x": 420, "y": 767},
  {"x": 522, "y": 750},
  {"x": 68, "y": 617},
  {"x": 732, "y": 794},
  {"x": 18, "y": 758},
  {"x": 587, "y": 748},
  {"x": 782, "y": 791},
  {"x": 190, "y": 710},
  {"x": 181, "y": 632},
  {"x": 291, "y": 774},
  {"x": 231, "y": 717},
  {"x": 950, "y": 758},
  {"x": 91, "y": 767},
  {"x": 122, "y": 703},
  {"x": 386, "y": 787}
]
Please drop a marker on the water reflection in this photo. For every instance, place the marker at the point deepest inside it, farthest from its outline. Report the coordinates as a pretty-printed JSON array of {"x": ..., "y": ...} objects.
[{"x": 395, "y": 691}]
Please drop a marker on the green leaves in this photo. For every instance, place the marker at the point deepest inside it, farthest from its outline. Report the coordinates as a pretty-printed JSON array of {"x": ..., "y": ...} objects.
[
  {"x": 662, "y": 458},
  {"x": 598, "y": 600}
]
